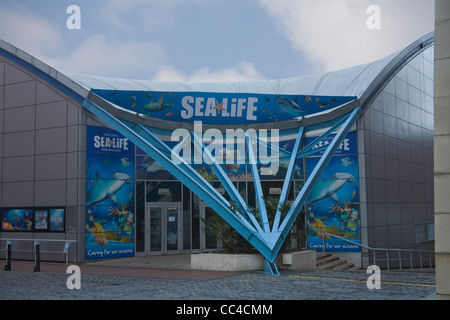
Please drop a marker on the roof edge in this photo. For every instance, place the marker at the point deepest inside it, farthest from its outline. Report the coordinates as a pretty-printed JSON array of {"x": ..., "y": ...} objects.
[{"x": 397, "y": 63}]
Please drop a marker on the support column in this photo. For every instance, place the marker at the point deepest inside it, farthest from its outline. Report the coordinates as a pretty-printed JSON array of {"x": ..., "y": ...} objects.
[{"x": 442, "y": 148}]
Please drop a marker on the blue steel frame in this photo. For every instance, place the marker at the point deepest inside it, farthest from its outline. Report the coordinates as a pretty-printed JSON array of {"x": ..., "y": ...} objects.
[{"x": 266, "y": 240}]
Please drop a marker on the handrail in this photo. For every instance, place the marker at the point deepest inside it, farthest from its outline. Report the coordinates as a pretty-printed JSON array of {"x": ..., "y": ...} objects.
[
  {"x": 383, "y": 249},
  {"x": 47, "y": 240},
  {"x": 36, "y": 249}
]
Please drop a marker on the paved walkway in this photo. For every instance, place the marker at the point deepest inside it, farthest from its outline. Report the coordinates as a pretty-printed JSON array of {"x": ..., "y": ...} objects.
[{"x": 170, "y": 278}]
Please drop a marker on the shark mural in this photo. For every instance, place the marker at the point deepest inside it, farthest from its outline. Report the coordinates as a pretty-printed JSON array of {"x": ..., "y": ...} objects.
[
  {"x": 328, "y": 188},
  {"x": 107, "y": 189}
]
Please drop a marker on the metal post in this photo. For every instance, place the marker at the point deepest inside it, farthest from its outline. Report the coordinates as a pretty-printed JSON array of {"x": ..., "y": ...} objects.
[
  {"x": 8, "y": 256},
  {"x": 37, "y": 256},
  {"x": 400, "y": 259},
  {"x": 66, "y": 251},
  {"x": 410, "y": 257},
  {"x": 387, "y": 259}
]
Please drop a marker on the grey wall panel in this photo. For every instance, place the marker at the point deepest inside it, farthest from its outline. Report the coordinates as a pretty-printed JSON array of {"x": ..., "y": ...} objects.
[
  {"x": 52, "y": 166},
  {"x": 2, "y": 73},
  {"x": 50, "y": 115},
  {"x": 73, "y": 136},
  {"x": 18, "y": 169},
  {"x": 19, "y": 119},
  {"x": 18, "y": 144},
  {"x": 18, "y": 194},
  {"x": 50, "y": 193},
  {"x": 51, "y": 140},
  {"x": 15, "y": 75},
  {"x": 44, "y": 94},
  {"x": 20, "y": 94}
]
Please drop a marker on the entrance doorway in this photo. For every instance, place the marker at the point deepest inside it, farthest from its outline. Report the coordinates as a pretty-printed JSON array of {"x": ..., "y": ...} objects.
[{"x": 163, "y": 231}]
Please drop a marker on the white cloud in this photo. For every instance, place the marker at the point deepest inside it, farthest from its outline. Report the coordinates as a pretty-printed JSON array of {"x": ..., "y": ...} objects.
[
  {"x": 30, "y": 33},
  {"x": 150, "y": 13},
  {"x": 95, "y": 54},
  {"x": 100, "y": 56},
  {"x": 244, "y": 71},
  {"x": 334, "y": 35}
]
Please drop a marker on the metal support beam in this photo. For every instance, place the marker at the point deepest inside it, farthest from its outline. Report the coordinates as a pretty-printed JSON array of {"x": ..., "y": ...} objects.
[
  {"x": 288, "y": 178},
  {"x": 257, "y": 182},
  {"x": 226, "y": 182},
  {"x": 183, "y": 172},
  {"x": 271, "y": 268},
  {"x": 306, "y": 190}
]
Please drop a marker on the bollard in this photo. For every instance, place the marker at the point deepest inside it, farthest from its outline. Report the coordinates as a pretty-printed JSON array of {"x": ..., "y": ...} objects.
[
  {"x": 8, "y": 256},
  {"x": 37, "y": 267}
]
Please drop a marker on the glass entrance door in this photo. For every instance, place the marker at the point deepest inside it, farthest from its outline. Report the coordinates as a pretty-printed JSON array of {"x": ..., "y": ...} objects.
[{"x": 163, "y": 229}]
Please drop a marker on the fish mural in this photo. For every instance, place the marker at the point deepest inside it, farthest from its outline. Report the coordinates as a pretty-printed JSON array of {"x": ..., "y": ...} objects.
[
  {"x": 227, "y": 108},
  {"x": 289, "y": 106},
  {"x": 155, "y": 106},
  {"x": 107, "y": 189},
  {"x": 328, "y": 188},
  {"x": 125, "y": 162},
  {"x": 346, "y": 162},
  {"x": 110, "y": 176}
]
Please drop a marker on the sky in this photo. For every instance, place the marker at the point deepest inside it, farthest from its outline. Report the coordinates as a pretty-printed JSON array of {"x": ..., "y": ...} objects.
[{"x": 212, "y": 40}]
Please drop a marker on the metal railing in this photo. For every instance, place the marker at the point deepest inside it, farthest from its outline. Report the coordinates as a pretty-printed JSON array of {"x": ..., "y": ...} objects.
[
  {"x": 35, "y": 251},
  {"x": 389, "y": 259}
]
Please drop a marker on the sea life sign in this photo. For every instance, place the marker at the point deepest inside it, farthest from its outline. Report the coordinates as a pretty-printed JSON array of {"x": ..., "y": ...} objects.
[
  {"x": 332, "y": 208},
  {"x": 110, "y": 223},
  {"x": 220, "y": 108}
]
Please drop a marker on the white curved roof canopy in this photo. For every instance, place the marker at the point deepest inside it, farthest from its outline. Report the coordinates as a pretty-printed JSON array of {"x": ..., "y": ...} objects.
[{"x": 363, "y": 82}]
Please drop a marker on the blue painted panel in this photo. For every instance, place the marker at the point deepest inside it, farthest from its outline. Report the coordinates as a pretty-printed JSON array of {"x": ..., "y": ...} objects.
[{"x": 220, "y": 108}]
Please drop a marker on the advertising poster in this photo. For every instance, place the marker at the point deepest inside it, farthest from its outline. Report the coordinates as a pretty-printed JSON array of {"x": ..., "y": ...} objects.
[
  {"x": 333, "y": 204},
  {"x": 17, "y": 220},
  {"x": 110, "y": 179}
]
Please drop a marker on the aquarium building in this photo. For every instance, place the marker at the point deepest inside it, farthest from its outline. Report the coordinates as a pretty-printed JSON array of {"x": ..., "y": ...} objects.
[{"x": 123, "y": 168}]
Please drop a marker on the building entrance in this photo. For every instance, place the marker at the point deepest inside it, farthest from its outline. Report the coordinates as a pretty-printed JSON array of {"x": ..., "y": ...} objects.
[{"x": 163, "y": 229}]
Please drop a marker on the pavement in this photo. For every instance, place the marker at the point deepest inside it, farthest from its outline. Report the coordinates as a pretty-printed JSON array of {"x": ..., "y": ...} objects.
[{"x": 171, "y": 278}]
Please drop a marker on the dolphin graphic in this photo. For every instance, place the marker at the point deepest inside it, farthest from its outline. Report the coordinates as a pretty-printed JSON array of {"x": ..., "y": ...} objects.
[
  {"x": 328, "y": 188},
  {"x": 106, "y": 189},
  {"x": 289, "y": 106}
]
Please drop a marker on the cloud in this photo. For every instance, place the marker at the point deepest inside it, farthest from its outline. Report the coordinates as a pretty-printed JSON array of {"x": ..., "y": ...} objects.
[
  {"x": 150, "y": 13},
  {"x": 334, "y": 35},
  {"x": 82, "y": 52},
  {"x": 244, "y": 71},
  {"x": 26, "y": 31},
  {"x": 98, "y": 55}
]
